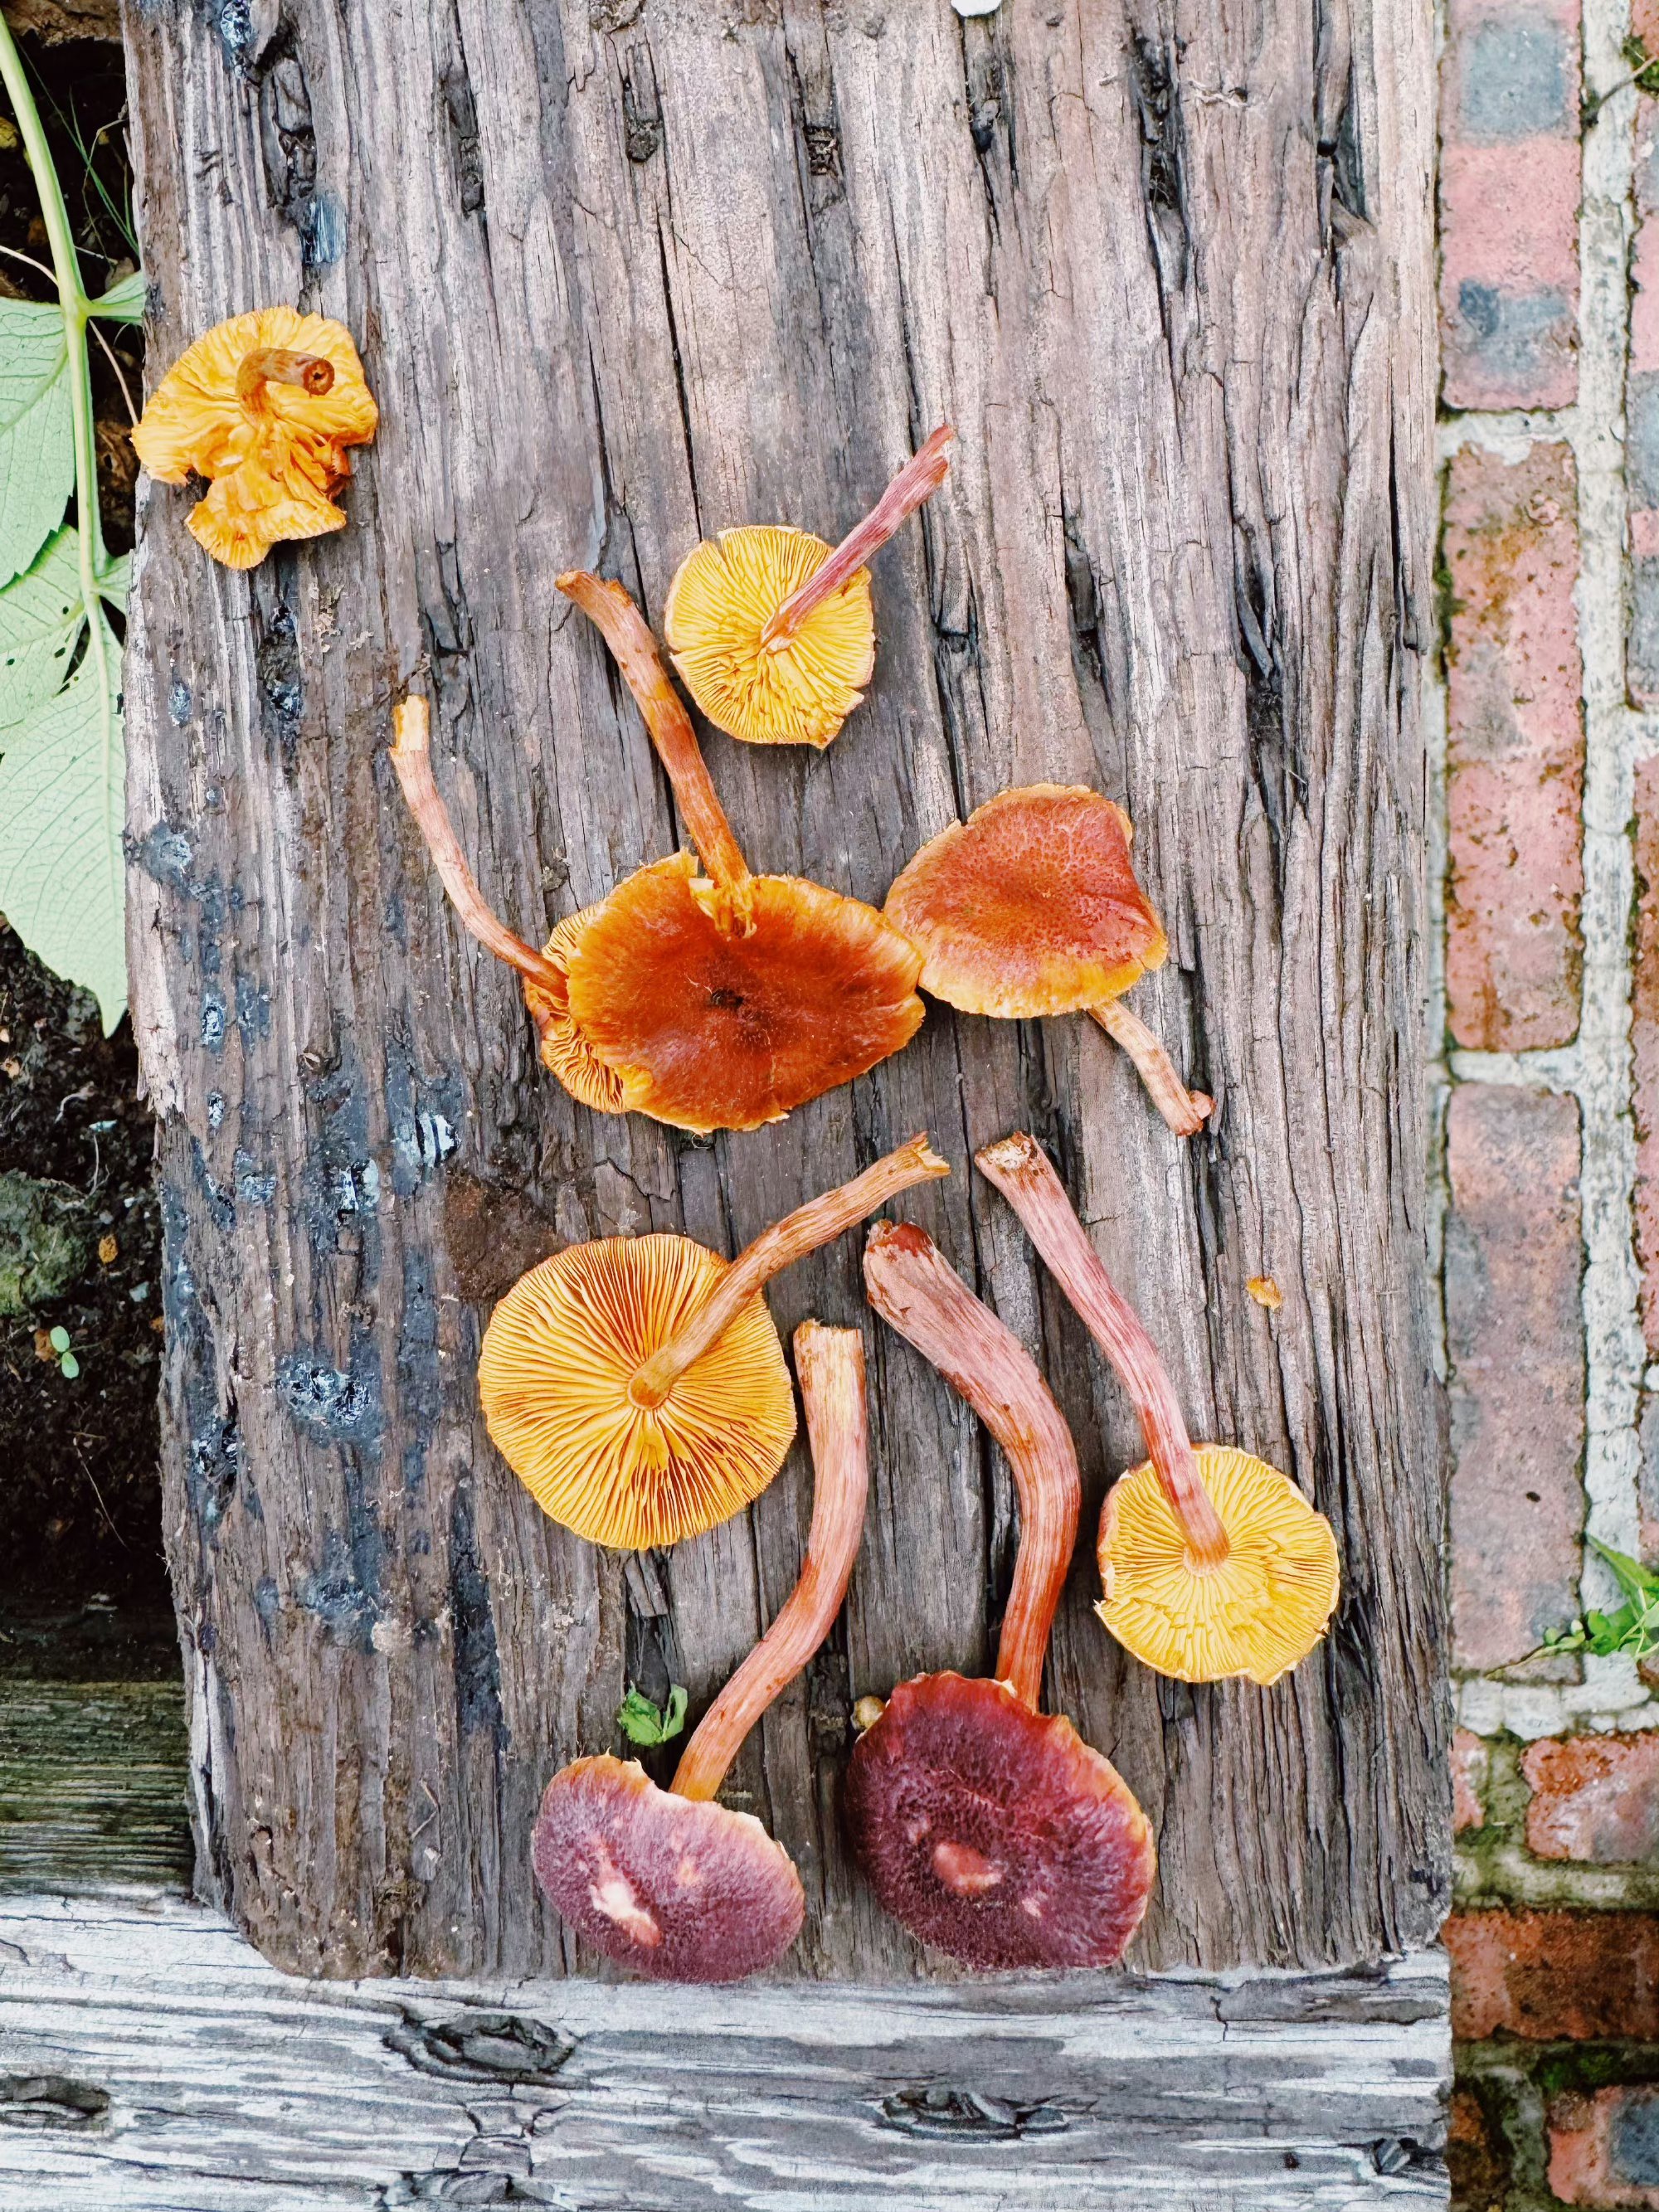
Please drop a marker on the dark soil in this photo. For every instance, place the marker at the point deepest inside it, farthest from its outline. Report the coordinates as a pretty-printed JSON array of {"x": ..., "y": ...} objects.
[{"x": 82, "y": 1583}]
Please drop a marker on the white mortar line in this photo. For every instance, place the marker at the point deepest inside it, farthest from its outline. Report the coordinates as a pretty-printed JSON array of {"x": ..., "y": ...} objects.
[{"x": 1595, "y": 1069}]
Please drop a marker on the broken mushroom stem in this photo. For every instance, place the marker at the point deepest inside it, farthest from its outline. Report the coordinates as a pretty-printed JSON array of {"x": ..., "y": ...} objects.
[
  {"x": 1185, "y": 1111},
  {"x": 623, "y": 627},
  {"x": 1021, "y": 1171},
  {"x": 311, "y": 372},
  {"x": 915, "y": 483},
  {"x": 830, "y": 1365},
  {"x": 912, "y": 1288},
  {"x": 818, "y": 1222},
  {"x": 412, "y": 757}
]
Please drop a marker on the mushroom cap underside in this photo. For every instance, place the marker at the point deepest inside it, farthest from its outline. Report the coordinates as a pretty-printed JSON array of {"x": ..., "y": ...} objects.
[
  {"x": 1029, "y": 907},
  {"x": 1258, "y": 1613},
  {"x": 710, "y": 1025},
  {"x": 799, "y": 692},
  {"x": 680, "y": 1890},
  {"x": 995, "y": 1833},
  {"x": 558, "y": 1355},
  {"x": 565, "y": 1052}
]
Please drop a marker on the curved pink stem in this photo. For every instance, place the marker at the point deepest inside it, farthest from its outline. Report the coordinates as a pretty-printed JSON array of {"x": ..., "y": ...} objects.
[
  {"x": 830, "y": 1365},
  {"x": 911, "y": 1285},
  {"x": 1186, "y": 1111},
  {"x": 1020, "y": 1170},
  {"x": 915, "y": 482}
]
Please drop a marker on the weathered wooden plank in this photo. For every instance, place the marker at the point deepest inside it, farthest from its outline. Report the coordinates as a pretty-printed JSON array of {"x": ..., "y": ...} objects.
[
  {"x": 623, "y": 274},
  {"x": 94, "y": 1784},
  {"x": 232, "y": 2088}
]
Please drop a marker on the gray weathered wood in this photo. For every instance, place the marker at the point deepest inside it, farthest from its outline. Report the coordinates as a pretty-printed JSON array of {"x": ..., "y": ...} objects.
[
  {"x": 231, "y": 2088},
  {"x": 625, "y": 273},
  {"x": 92, "y": 1784}
]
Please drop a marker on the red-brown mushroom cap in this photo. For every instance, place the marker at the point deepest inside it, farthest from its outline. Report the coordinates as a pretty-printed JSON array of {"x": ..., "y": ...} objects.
[
  {"x": 1029, "y": 907},
  {"x": 680, "y": 1889},
  {"x": 711, "y": 1026},
  {"x": 994, "y": 1833}
]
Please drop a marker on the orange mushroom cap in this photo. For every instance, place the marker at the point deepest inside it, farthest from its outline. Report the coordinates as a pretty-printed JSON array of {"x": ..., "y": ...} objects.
[
  {"x": 264, "y": 406},
  {"x": 565, "y": 1052},
  {"x": 1257, "y": 1613},
  {"x": 559, "y": 1355},
  {"x": 709, "y": 1027},
  {"x": 1029, "y": 907},
  {"x": 724, "y": 593}
]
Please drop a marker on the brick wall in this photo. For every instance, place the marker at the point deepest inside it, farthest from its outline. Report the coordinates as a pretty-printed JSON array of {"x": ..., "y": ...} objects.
[{"x": 1549, "y": 1009}]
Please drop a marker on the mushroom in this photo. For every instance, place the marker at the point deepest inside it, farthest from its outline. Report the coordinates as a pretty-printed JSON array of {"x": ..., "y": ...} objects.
[
  {"x": 667, "y": 1880},
  {"x": 1031, "y": 907},
  {"x": 710, "y": 1002},
  {"x": 773, "y": 633},
  {"x": 637, "y": 1386},
  {"x": 264, "y": 406},
  {"x": 1213, "y": 1562},
  {"x": 994, "y": 1833}
]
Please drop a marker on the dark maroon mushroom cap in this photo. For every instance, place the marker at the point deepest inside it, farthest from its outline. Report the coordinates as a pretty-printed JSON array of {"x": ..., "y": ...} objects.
[
  {"x": 681, "y": 1889},
  {"x": 995, "y": 1833}
]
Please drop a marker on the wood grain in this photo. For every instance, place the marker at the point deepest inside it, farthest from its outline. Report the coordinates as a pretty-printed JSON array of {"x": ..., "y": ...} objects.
[
  {"x": 623, "y": 274},
  {"x": 181, "y": 2075}
]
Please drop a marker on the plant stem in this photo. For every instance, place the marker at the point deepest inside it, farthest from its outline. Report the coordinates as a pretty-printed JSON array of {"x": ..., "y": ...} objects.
[
  {"x": 777, "y": 1247},
  {"x": 830, "y": 1363}
]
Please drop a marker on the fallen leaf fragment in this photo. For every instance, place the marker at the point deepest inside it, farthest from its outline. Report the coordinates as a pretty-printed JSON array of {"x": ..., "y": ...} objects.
[
  {"x": 108, "y": 1251},
  {"x": 1265, "y": 1292}
]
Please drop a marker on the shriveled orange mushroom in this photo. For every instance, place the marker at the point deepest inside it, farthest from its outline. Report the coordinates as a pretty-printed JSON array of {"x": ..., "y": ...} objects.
[
  {"x": 1031, "y": 907},
  {"x": 264, "y": 407},
  {"x": 666, "y": 1880},
  {"x": 989, "y": 1831},
  {"x": 716, "y": 1002},
  {"x": 637, "y": 1386},
  {"x": 1213, "y": 1562},
  {"x": 772, "y": 632}
]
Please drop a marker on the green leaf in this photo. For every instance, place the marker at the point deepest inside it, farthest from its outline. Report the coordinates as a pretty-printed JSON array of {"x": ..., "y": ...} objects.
[
  {"x": 641, "y": 1722},
  {"x": 124, "y": 302},
  {"x": 37, "y": 456},
  {"x": 113, "y": 583},
  {"x": 62, "y": 807},
  {"x": 68, "y": 1367},
  {"x": 1632, "y": 1577},
  {"x": 59, "y": 1339},
  {"x": 41, "y": 617}
]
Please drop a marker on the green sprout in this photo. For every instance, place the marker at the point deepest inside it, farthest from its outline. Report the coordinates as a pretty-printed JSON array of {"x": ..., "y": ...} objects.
[
  {"x": 642, "y": 1722},
  {"x": 1632, "y": 1629},
  {"x": 68, "y": 1365}
]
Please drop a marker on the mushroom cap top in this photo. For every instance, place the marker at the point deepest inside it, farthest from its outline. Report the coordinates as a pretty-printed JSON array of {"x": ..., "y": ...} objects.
[
  {"x": 275, "y": 459},
  {"x": 680, "y": 1890},
  {"x": 565, "y": 1052},
  {"x": 1029, "y": 907},
  {"x": 711, "y": 1025},
  {"x": 1258, "y": 1613},
  {"x": 724, "y": 592},
  {"x": 558, "y": 1355},
  {"x": 995, "y": 1833}
]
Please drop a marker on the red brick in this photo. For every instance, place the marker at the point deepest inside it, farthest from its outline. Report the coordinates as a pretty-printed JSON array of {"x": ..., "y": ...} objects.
[
  {"x": 1469, "y": 1760},
  {"x": 1514, "y": 1335},
  {"x": 1644, "y": 1043},
  {"x": 1595, "y": 1797},
  {"x": 1551, "y": 1976},
  {"x": 1510, "y": 187},
  {"x": 1515, "y": 752},
  {"x": 1604, "y": 2148},
  {"x": 1476, "y": 2155}
]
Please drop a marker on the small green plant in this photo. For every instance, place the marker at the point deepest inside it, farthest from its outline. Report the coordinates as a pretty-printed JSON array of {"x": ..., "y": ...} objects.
[
  {"x": 1633, "y": 1629},
  {"x": 62, "y": 769},
  {"x": 68, "y": 1365},
  {"x": 642, "y": 1722}
]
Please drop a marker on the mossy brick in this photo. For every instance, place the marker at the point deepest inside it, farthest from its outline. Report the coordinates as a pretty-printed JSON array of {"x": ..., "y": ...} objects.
[
  {"x": 1596, "y": 1798},
  {"x": 45, "y": 1243},
  {"x": 1548, "y": 1977},
  {"x": 1604, "y": 2148}
]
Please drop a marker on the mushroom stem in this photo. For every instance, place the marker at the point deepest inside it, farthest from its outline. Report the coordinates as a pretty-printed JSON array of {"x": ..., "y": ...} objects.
[
  {"x": 1022, "y": 1172},
  {"x": 777, "y": 1247},
  {"x": 916, "y": 482},
  {"x": 830, "y": 1365},
  {"x": 1186, "y": 1111},
  {"x": 312, "y": 372},
  {"x": 411, "y": 756},
  {"x": 611, "y": 611},
  {"x": 911, "y": 1285}
]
